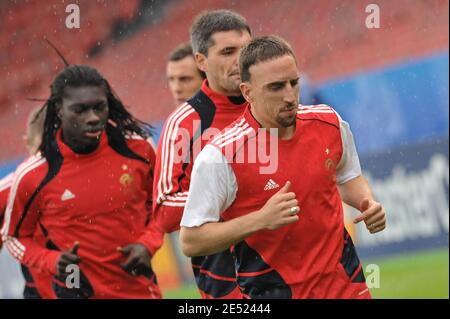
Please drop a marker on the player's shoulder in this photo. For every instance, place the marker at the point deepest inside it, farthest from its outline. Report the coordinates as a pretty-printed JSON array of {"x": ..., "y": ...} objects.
[
  {"x": 6, "y": 182},
  {"x": 319, "y": 112},
  {"x": 182, "y": 116},
  {"x": 234, "y": 135},
  {"x": 141, "y": 145},
  {"x": 31, "y": 171},
  {"x": 204, "y": 105}
]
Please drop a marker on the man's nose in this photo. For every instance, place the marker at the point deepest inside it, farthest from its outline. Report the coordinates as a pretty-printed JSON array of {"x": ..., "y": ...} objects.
[
  {"x": 177, "y": 87},
  {"x": 92, "y": 117},
  {"x": 290, "y": 94}
]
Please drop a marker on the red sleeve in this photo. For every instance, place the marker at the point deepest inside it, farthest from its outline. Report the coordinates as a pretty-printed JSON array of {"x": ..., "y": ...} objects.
[
  {"x": 173, "y": 167},
  {"x": 5, "y": 185},
  {"x": 21, "y": 218},
  {"x": 168, "y": 217},
  {"x": 153, "y": 236},
  {"x": 2, "y": 214}
]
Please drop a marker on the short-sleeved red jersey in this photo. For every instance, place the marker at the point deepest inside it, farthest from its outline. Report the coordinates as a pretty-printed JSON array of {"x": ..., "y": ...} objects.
[{"x": 313, "y": 257}]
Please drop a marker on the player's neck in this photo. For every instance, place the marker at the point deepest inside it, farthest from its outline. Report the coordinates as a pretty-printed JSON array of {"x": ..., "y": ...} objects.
[
  {"x": 78, "y": 148},
  {"x": 285, "y": 133},
  {"x": 218, "y": 89}
]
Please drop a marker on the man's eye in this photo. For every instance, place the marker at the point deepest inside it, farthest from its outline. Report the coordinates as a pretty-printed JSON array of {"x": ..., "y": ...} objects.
[
  {"x": 276, "y": 87},
  {"x": 79, "y": 110},
  {"x": 100, "y": 107},
  {"x": 294, "y": 82}
]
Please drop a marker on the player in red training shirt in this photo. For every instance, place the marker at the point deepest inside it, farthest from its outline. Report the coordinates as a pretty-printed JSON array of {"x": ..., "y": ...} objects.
[
  {"x": 37, "y": 284},
  {"x": 283, "y": 217},
  {"x": 217, "y": 38},
  {"x": 5, "y": 185},
  {"x": 183, "y": 76},
  {"x": 89, "y": 189},
  {"x": 32, "y": 139}
]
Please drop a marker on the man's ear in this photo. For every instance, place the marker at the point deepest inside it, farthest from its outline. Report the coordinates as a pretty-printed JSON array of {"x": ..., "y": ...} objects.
[
  {"x": 246, "y": 90},
  {"x": 202, "y": 61}
]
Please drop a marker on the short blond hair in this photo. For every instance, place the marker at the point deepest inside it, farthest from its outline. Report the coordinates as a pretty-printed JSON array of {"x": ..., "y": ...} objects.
[{"x": 35, "y": 129}]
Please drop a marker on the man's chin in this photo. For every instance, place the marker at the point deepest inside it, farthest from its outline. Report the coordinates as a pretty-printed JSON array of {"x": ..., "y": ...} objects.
[
  {"x": 234, "y": 88},
  {"x": 91, "y": 145},
  {"x": 287, "y": 122},
  {"x": 89, "y": 141}
]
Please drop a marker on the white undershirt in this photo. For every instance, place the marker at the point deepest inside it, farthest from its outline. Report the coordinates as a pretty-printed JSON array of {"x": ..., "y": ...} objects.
[{"x": 213, "y": 184}]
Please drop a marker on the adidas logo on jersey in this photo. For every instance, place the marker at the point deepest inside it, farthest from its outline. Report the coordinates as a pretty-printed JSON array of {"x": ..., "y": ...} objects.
[
  {"x": 67, "y": 195},
  {"x": 271, "y": 185}
]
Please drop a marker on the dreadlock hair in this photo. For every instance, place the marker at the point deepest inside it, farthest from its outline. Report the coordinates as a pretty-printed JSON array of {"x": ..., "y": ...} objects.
[
  {"x": 120, "y": 122},
  {"x": 120, "y": 125}
]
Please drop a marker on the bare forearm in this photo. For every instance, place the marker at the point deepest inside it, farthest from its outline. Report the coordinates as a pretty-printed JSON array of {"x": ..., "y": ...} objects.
[
  {"x": 280, "y": 210},
  {"x": 355, "y": 190},
  {"x": 211, "y": 238},
  {"x": 357, "y": 193}
]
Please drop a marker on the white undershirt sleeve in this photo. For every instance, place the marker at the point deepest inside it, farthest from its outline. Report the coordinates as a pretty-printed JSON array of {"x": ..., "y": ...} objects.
[
  {"x": 349, "y": 166},
  {"x": 212, "y": 190}
]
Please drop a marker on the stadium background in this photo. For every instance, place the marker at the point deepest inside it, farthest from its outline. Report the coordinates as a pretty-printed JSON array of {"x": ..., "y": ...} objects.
[{"x": 391, "y": 84}]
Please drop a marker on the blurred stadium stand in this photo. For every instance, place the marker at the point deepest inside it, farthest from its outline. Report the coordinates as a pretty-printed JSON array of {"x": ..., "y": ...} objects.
[
  {"x": 390, "y": 83},
  {"x": 330, "y": 38}
]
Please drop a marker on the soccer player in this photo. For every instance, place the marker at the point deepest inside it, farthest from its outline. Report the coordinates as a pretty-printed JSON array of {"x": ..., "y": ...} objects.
[
  {"x": 5, "y": 185},
  {"x": 183, "y": 75},
  {"x": 184, "y": 79},
  {"x": 216, "y": 38},
  {"x": 285, "y": 224},
  {"x": 89, "y": 190},
  {"x": 32, "y": 140},
  {"x": 37, "y": 284}
]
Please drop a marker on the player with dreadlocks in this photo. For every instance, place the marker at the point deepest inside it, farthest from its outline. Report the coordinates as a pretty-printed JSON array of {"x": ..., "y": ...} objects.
[{"x": 89, "y": 189}]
